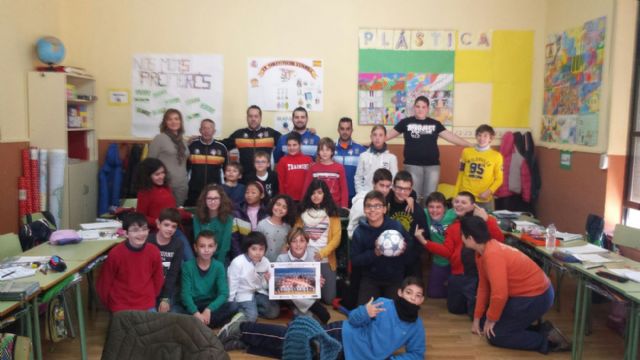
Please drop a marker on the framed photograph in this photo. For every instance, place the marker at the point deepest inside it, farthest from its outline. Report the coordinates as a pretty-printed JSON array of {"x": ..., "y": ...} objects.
[{"x": 294, "y": 280}]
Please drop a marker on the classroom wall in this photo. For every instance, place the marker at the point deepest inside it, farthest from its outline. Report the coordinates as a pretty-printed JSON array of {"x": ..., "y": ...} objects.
[
  {"x": 116, "y": 30},
  {"x": 568, "y": 196},
  {"x": 107, "y": 35},
  {"x": 21, "y": 24}
]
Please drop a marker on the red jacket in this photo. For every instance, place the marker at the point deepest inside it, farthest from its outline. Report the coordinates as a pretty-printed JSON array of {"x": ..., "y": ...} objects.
[
  {"x": 334, "y": 176},
  {"x": 507, "y": 149},
  {"x": 131, "y": 279},
  {"x": 452, "y": 246},
  {"x": 292, "y": 171}
]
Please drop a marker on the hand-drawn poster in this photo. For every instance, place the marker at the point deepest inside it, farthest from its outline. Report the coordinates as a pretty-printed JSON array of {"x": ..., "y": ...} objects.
[
  {"x": 572, "y": 84},
  {"x": 397, "y": 66},
  {"x": 281, "y": 84},
  {"x": 189, "y": 83}
]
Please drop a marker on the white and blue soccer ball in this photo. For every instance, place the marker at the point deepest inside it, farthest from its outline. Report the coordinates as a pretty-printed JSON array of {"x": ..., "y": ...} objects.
[{"x": 391, "y": 243}]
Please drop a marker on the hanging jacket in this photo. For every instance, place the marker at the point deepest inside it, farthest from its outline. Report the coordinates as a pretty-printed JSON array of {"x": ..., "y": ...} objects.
[
  {"x": 132, "y": 161},
  {"x": 110, "y": 180},
  {"x": 514, "y": 166},
  {"x": 536, "y": 180}
]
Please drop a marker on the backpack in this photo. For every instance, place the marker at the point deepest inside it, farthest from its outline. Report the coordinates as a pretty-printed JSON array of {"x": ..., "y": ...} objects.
[{"x": 36, "y": 229}]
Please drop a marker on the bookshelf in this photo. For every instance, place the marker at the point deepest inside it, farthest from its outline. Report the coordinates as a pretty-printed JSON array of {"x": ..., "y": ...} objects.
[{"x": 62, "y": 116}]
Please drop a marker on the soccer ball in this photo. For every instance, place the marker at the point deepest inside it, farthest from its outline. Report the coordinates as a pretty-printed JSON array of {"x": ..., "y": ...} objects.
[{"x": 391, "y": 243}]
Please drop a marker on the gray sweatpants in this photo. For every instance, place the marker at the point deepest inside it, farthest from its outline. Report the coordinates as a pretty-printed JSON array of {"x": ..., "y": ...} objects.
[{"x": 425, "y": 179}]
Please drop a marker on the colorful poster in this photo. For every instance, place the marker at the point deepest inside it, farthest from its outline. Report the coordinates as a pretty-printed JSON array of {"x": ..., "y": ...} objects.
[
  {"x": 189, "y": 83},
  {"x": 397, "y": 66},
  {"x": 572, "y": 82},
  {"x": 277, "y": 84}
]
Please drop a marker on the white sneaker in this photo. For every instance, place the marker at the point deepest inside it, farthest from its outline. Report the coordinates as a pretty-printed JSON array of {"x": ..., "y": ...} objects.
[{"x": 231, "y": 330}]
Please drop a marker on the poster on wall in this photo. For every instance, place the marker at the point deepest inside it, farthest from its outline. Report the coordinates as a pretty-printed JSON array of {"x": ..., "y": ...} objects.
[
  {"x": 572, "y": 84},
  {"x": 189, "y": 83},
  {"x": 282, "y": 84},
  {"x": 397, "y": 66}
]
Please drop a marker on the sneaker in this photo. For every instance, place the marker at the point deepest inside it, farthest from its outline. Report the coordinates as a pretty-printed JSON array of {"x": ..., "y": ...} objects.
[
  {"x": 559, "y": 342},
  {"x": 231, "y": 330},
  {"x": 234, "y": 344}
]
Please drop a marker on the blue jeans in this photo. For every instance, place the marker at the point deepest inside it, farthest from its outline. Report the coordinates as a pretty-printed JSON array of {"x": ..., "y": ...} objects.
[
  {"x": 260, "y": 305},
  {"x": 512, "y": 330},
  {"x": 461, "y": 294},
  {"x": 268, "y": 339}
]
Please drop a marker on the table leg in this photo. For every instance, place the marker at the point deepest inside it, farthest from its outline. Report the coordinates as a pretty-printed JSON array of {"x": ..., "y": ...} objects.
[
  {"x": 578, "y": 320},
  {"x": 29, "y": 327},
  {"x": 631, "y": 333},
  {"x": 83, "y": 339},
  {"x": 37, "y": 345}
]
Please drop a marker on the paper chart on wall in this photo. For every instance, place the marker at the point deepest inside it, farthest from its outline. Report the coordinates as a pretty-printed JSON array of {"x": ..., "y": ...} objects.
[
  {"x": 283, "y": 84},
  {"x": 189, "y": 83},
  {"x": 573, "y": 82}
]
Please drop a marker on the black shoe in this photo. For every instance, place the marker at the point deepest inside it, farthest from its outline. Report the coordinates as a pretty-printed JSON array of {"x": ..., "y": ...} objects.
[
  {"x": 234, "y": 344},
  {"x": 558, "y": 341}
]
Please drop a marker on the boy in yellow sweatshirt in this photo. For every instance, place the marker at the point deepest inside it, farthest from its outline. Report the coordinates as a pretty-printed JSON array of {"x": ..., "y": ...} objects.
[{"x": 480, "y": 170}]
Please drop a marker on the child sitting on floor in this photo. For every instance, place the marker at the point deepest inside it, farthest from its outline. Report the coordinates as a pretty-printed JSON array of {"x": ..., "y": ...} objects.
[
  {"x": 298, "y": 242},
  {"x": 249, "y": 279},
  {"x": 171, "y": 252},
  {"x": 204, "y": 284},
  {"x": 131, "y": 277}
]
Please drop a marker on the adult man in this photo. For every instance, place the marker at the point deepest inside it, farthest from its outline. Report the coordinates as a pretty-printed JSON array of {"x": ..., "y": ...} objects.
[
  {"x": 206, "y": 160},
  {"x": 408, "y": 216},
  {"x": 253, "y": 138},
  {"x": 347, "y": 153},
  {"x": 310, "y": 140}
]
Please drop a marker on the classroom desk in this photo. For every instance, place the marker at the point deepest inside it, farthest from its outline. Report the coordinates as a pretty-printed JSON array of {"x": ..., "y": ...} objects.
[
  {"x": 629, "y": 290},
  {"x": 86, "y": 250},
  {"x": 76, "y": 256},
  {"x": 633, "y": 327}
]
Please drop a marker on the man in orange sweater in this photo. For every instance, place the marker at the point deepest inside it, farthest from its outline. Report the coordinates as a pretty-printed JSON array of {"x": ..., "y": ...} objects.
[{"x": 513, "y": 292}]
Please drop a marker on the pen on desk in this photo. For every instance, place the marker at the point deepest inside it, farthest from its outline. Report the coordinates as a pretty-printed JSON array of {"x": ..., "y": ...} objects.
[
  {"x": 7, "y": 274},
  {"x": 593, "y": 266}
]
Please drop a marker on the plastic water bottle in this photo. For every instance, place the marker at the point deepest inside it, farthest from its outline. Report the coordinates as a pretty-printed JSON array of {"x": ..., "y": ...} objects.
[{"x": 550, "y": 238}]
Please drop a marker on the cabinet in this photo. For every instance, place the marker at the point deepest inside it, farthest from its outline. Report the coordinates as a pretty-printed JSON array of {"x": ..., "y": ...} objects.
[{"x": 61, "y": 116}]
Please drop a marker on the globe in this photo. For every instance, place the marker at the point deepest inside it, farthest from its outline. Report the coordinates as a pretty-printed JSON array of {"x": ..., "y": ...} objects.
[{"x": 50, "y": 50}]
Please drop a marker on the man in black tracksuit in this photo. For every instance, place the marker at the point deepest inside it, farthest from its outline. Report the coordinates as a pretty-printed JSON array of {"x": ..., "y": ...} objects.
[
  {"x": 206, "y": 161},
  {"x": 252, "y": 138}
]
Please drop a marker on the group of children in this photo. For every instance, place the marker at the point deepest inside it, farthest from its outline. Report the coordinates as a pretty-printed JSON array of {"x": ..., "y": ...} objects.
[{"x": 293, "y": 214}]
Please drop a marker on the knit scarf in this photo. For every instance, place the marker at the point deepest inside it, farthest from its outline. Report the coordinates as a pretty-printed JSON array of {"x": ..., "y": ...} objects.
[
  {"x": 406, "y": 311},
  {"x": 378, "y": 151},
  {"x": 176, "y": 139},
  {"x": 313, "y": 217}
]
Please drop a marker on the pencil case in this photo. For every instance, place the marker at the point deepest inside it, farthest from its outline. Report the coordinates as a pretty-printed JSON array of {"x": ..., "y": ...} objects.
[{"x": 64, "y": 237}]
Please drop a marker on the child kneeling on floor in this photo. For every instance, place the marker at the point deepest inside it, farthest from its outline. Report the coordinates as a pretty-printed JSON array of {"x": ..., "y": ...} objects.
[{"x": 375, "y": 330}]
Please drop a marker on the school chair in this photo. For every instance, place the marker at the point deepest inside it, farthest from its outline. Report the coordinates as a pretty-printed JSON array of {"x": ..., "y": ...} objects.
[
  {"x": 15, "y": 347},
  {"x": 9, "y": 245}
]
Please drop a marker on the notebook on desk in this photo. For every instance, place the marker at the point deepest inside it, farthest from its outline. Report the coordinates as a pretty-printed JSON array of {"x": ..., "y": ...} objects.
[{"x": 17, "y": 290}]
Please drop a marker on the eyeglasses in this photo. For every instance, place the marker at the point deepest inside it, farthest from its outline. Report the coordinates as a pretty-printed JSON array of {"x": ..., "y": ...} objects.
[
  {"x": 138, "y": 230},
  {"x": 373, "y": 207},
  {"x": 400, "y": 188},
  {"x": 212, "y": 199},
  {"x": 261, "y": 162}
]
